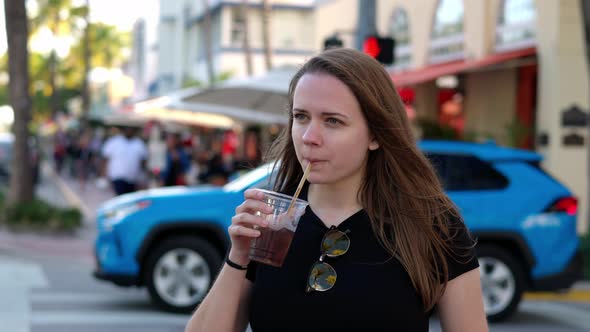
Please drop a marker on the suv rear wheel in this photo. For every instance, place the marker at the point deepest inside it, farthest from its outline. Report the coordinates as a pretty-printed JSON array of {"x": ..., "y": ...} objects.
[
  {"x": 179, "y": 271},
  {"x": 502, "y": 281}
]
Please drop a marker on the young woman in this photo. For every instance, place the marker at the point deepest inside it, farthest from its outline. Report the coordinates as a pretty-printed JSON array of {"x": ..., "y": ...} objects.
[{"x": 402, "y": 247}]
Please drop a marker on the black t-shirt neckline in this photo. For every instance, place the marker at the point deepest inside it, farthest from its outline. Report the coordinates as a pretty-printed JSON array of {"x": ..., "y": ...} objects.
[{"x": 347, "y": 222}]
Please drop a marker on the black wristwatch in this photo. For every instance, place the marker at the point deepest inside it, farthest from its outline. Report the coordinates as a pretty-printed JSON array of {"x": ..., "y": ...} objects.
[{"x": 235, "y": 265}]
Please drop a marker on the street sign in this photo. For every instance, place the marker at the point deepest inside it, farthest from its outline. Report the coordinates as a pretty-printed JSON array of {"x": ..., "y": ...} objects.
[{"x": 574, "y": 116}]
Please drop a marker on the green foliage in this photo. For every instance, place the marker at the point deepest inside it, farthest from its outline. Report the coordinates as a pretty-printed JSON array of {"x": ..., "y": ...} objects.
[
  {"x": 39, "y": 215},
  {"x": 517, "y": 132},
  {"x": 189, "y": 82},
  {"x": 4, "y": 87},
  {"x": 224, "y": 76},
  {"x": 585, "y": 248},
  {"x": 432, "y": 129},
  {"x": 107, "y": 46}
]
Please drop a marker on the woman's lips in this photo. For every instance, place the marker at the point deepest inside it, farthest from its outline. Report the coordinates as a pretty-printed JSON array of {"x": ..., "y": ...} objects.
[{"x": 314, "y": 161}]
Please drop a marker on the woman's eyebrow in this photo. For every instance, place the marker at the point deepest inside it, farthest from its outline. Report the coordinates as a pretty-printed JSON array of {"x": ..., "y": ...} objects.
[{"x": 325, "y": 114}]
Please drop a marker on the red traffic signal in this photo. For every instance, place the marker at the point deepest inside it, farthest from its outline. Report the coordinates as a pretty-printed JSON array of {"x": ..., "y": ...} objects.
[{"x": 382, "y": 49}]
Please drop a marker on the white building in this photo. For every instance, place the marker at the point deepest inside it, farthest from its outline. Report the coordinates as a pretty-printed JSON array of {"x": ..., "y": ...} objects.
[
  {"x": 297, "y": 32},
  {"x": 143, "y": 65}
]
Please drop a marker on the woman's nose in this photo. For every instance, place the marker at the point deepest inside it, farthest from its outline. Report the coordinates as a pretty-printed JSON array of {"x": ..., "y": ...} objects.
[{"x": 312, "y": 135}]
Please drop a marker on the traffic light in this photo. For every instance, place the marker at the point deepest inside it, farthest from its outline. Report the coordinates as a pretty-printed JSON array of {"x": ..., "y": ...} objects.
[
  {"x": 380, "y": 48},
  {"x": 332, "y": 42}
]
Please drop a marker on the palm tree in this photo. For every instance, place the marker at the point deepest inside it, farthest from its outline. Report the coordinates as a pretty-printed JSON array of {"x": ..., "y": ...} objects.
[
  {"x": 266, "y": 11},
  {"x": 51, "y": 15},
  {"x": 108, "y": 39},
  {"x": 208, "y": 43},
  {"x": 246, "y": 36},
  {"x": 17, "y": 33}
]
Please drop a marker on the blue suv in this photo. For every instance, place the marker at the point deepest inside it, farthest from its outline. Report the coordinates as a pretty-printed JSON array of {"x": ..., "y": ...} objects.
[{"x": 173, "y": 240}]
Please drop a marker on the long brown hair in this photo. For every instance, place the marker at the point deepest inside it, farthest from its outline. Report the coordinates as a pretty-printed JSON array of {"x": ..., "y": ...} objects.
[{"x": 403, "y": 197}]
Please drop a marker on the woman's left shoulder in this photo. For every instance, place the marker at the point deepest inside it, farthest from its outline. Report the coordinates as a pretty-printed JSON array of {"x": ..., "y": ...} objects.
[{"x": 462, "y": 256}]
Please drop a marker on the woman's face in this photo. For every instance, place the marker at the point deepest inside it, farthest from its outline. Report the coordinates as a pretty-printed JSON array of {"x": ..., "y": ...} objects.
[{"x": 329, "y": 129}]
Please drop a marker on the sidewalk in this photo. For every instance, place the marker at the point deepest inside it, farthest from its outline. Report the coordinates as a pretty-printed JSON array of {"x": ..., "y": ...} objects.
[{"x": 63, "y": 192}]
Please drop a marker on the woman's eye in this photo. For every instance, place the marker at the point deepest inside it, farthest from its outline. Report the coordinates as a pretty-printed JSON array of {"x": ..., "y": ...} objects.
[
  {"x": 333, "y": 121},
  {"x": 299, "y": 116}
]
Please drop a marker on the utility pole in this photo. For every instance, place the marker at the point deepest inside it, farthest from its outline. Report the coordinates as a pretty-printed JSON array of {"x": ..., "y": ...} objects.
[{"x": 367, "y": 10}]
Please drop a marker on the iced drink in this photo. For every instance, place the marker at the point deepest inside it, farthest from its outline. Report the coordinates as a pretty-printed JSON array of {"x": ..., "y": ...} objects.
[{"x": 272, "y": 245}]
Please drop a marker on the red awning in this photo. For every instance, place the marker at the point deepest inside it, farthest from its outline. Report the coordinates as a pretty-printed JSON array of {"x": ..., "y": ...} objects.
[{"x": 430, "y": 73}]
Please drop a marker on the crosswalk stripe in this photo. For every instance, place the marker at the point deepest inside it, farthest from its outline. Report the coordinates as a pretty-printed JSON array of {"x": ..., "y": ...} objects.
[
  {"x": 103, "y": 317},
  {"x": 85, "y": 298},
  {"x": 85, "y": 301}
]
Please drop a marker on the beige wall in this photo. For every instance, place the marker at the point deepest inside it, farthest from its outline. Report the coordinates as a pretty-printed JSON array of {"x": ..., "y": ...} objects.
[
  {"x": 421, "y": 14},
  {"x": 564, "y": 81},
  {"x": 490, "y": 103}
]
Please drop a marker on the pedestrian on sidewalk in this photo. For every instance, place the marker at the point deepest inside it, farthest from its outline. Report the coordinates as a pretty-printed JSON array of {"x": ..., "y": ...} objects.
[
  {"x": 177, "y": 162},
  {"x": 125, "y": 160}
]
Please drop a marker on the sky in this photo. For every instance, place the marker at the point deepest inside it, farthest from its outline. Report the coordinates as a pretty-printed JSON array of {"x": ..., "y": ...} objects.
[{"x": 121, "y": 13}]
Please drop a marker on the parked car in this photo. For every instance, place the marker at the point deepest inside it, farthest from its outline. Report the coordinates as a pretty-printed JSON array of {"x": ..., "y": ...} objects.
[
  {"x": 6, "y": 152},
  {"x": 173, "y": 240}
]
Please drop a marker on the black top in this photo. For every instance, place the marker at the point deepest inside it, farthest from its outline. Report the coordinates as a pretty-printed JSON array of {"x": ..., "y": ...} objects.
[{"x": 372, "y": 292}]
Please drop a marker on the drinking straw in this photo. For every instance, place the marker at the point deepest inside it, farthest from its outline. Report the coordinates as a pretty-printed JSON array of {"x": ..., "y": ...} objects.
[{"x": 303, "y": 178}]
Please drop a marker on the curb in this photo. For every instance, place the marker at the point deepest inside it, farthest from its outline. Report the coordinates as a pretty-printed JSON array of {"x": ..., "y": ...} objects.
[
  {"x": 579, "y": 292},
  {"x": 70, "y": 196}
]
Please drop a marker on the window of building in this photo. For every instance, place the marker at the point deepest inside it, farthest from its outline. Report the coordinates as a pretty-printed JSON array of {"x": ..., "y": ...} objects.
[
  {"x": 237, "y": 26},
  {"x": 447, "y": 32},
  {"x": 465, "y": 172},
  {"x": 399, "y": 28},
  {"x": 516, "y": 25}
]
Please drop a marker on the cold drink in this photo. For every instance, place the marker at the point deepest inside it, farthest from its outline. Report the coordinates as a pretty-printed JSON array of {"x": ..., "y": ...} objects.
[{"x": 272, "y": 245}]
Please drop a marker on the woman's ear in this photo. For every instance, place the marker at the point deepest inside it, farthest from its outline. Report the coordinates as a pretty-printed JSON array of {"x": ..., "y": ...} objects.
[{"x": 374, "y": 145}]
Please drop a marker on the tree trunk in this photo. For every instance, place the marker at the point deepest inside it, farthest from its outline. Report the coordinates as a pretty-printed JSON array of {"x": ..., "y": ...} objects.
[
  {"x": 54, "y": 99},
  {"x": 21, "y": 182},
  {"x": 365, "y": 21},
  {"x": 208, "y": 44},
  {"x": 86, "y": 60},
  {"x": 246, "y": 36},
  {"x": 266, "y": 10}
]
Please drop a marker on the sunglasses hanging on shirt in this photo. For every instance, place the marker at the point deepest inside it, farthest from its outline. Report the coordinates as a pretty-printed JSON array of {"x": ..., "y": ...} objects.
[{"x": 322, "y": 276}]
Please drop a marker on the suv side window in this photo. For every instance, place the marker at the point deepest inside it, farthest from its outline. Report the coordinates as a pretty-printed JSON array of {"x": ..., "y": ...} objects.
[{"x": 466, "y": 172}]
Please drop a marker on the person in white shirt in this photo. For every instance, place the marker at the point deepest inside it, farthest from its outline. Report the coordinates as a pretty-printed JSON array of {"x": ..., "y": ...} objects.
[{"x": 125, "y": 158}]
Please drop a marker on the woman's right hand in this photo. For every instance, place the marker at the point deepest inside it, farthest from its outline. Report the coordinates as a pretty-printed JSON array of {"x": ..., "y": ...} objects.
[{"x": 242, "y": 229}]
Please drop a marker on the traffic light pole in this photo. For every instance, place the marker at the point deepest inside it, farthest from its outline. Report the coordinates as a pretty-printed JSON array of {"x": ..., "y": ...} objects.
[{"x": 367, "y": 10}]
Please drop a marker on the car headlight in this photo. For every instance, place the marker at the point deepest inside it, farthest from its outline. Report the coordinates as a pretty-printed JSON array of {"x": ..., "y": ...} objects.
[{"x": 115, "y": 215}]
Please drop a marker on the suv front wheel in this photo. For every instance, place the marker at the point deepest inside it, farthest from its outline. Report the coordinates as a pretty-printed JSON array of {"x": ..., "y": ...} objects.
[
  {"x": 502, "y": 281},
  {"x": 179, "y": 271}
]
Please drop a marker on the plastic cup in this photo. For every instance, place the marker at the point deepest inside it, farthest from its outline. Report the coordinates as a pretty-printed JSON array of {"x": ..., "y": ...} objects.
[{"x": 272, "y": 245}]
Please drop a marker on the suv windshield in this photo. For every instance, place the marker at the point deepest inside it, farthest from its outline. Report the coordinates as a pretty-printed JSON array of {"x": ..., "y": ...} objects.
[{"x": 249, "y": 178}]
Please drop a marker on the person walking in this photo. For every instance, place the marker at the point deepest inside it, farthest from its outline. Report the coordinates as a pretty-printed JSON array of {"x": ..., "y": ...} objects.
[{"x": 125, "y": 158}]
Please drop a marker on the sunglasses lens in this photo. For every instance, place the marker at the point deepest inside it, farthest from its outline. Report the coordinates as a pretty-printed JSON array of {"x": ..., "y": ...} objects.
[
  {"x": 335, "y": 243},
  {"x": 322, "y": 277}
]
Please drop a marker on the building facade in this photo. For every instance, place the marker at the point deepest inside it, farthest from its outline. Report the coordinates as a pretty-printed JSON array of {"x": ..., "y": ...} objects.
[
  {"x": 182, "y": 42},
  {"x": 507, "y": 70}
]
